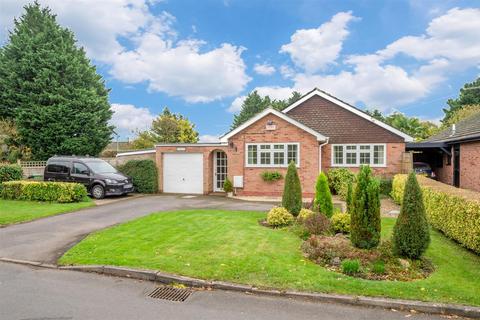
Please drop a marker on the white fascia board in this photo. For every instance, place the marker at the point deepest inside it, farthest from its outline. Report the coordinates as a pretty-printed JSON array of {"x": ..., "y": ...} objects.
[
  {"x": 279, "y": 114},
  {"x": 212, "y": 144},
  {"x": 132, "y": 153},
  {"x": 351, "y": 109}
]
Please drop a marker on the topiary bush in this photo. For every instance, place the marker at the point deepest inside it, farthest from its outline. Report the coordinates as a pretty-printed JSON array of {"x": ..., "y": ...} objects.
[
  {"x": 43, "y": 191},
  {"x": 292, "y": 191},
  {"x": 365, "y": 217},
  {"x": 317, "y": 224},
  {"x": 304, "y": 214},
  {"x": 143, "y": 173},
  {"x": 279, "y": 217},
  {"x": 10, "y": 172},
  {"x": 227, "y": 185},
  {"x": 411, "y": 235},
  {"x": 340, "y": 222},
  {"x": 339, "y": 179},
  {"x": 323, "y": 198}
]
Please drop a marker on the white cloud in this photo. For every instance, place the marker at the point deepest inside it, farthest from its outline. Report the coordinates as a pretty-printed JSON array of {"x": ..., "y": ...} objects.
[
  {"x": 154, "y": 54},
  {"x": 274, "y": 92},
  {"x": 286, "y": 71},
  {"x": 264, "y": 69},
  {"x": 128, "y": 119},
  {"x": 315, "y": 49},
  {"x": 209, "y": 138}
]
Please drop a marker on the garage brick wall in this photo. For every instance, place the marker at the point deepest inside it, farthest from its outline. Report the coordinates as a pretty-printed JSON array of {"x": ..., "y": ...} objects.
[{"x": 470, "y": 165}]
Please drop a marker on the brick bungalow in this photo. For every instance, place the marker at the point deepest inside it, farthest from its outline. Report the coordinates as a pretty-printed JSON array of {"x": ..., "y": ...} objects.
[
  {"x": 454, "y": 153},
  {"x": 318, "y": 132}
]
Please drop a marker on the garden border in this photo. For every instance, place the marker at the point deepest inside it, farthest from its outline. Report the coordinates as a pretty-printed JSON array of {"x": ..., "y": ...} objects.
[{"x": 167, "y": 278}]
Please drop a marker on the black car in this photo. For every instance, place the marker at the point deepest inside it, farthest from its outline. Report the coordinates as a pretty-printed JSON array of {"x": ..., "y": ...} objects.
[{"x": 98, "y": 176}]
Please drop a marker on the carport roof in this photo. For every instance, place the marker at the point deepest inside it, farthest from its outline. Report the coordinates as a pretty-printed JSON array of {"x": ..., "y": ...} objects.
[{"x": 467, "y": 129}]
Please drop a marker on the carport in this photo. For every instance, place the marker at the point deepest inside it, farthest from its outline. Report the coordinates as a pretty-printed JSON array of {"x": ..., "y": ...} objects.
[{"x": 432, "y": 153}]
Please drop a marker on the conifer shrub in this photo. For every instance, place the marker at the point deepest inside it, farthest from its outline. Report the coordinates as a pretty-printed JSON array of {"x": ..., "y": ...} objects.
[
  {"x": 339, "y": 179},
  {"x": 292, "y": 191},
  {"x": 227, "y": 185},
  {"x": 365, "y": 217},
  {"x": 340, "y": 222},
  {"x": 411, "y": 235},
  {"x": 323, "y": 198},
  {"x": 349, "y": 199}
]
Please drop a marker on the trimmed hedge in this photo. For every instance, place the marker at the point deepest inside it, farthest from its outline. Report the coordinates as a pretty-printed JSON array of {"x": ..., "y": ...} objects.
[
  {"x": 339, "y": 179},
  {"x": 455, "y": 212},
  {"x": 143, "y": 173},
  {"x": 43, "y": 191},
  {"x": 10, "y": 172}
]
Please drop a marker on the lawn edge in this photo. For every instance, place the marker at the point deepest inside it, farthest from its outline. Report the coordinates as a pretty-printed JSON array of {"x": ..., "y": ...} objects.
[{"x": 167, "y": 278}]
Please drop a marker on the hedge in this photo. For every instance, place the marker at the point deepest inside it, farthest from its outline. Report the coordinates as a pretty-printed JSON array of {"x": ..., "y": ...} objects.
[
  {"x": 10, "y": 172},
  {"x": 455, "y": 212},
  {"x": 339, "y": 179},
  {"x": 43, "y": 191},
  {"x": 143, "y": 173}
]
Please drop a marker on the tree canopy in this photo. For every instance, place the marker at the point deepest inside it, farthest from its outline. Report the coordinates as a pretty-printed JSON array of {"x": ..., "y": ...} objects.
[
  {"x": 168, "y": 127},
  {"x": 254, "y": 103},
  {"x": 460, "y": 114},
  {"x": 51, "y": 90},
  {"x": 469, "y": 95}
]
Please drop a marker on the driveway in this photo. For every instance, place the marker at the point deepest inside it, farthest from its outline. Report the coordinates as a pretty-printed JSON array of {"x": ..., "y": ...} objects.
[{"x": 45, "y": 240}]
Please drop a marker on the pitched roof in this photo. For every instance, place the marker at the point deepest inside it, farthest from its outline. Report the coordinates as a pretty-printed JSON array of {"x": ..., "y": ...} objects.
[
  {"x": 349, "y": 107},
  {"x": 279, "y": 114},
  {"x": 465, "y": 129}
]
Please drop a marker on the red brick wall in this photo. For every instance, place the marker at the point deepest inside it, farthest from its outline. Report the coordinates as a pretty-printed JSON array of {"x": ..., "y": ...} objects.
[
  {"x": 285, "y": 132},
  {"x": 445, "y": 174},
  {"x": 470, "y": 165}
]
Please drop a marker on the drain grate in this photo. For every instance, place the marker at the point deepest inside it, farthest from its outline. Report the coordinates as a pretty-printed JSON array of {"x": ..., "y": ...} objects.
[{"x": 170, "y": 293}]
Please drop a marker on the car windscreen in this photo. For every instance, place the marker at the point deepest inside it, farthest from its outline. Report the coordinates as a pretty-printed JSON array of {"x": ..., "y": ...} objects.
[{"x": 100, "y": 166}]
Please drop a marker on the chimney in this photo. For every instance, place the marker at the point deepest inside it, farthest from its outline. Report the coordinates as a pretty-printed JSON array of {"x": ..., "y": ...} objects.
[{"x": 453, "y": 130}]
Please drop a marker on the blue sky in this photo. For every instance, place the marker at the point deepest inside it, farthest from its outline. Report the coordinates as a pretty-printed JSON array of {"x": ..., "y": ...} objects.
[{"x": 200, "y": 58}]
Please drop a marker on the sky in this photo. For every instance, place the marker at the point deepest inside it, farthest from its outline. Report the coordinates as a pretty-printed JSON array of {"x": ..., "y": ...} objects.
[{"x": 201, "y": 58}]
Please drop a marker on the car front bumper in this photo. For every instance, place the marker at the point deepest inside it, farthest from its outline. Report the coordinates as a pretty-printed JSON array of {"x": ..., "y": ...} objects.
[{"x": 112, "y": 190}]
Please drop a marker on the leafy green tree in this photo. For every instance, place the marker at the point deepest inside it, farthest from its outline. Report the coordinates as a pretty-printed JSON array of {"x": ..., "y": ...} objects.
[
  {"x": 323, "y": 198},
  {"x": 48, "y": 85},
  {"x": 168, "y": 127},
  {"x": 469, "y": 95},
  {"x": 365, "y": 218},
  {"x": 11, "y": 148},
  {"x": 411, "y": 235},
  {"x": 254, "y": 104},
  {"x": 460, "y": 114},
  {"x": 292, "y": 191}
]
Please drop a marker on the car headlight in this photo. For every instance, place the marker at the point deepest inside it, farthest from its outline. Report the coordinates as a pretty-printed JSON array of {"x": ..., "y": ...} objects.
[{"x": 111, "y": 181}]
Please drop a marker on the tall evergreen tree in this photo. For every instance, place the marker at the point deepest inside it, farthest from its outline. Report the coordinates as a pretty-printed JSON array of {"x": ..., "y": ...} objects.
[
  {"x": 411, "y": 235},
  {"x": 59, "y": 102},
  {"x": 292, "y": 191},
  {"x": 323, "y": 198},
  {"x": 365, "y": 218},
  {"x": 469, "y": 95},
  {"x": 349, "y": 198}
]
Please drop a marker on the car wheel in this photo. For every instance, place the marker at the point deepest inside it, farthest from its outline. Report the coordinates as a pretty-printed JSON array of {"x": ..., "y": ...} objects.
[{"x": 98, "y": 192}]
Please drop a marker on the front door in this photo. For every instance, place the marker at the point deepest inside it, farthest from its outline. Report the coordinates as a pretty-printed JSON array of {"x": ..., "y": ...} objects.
[
  {"x": 456, "y": 165},
  {"x": 219, "y": 170}
]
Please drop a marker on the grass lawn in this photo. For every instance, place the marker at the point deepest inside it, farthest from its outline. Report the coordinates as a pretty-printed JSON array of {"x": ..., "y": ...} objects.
[
  {"x": 232, "y": 246},
  {"x": 15, "y": 211}
]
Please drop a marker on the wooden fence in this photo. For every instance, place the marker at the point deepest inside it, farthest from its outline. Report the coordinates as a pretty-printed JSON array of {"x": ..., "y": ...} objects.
[{"x": 32, "y": 168}]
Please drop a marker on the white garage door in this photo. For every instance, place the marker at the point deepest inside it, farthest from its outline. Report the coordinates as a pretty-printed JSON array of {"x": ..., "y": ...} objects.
[{"x": 183, "y": 173}]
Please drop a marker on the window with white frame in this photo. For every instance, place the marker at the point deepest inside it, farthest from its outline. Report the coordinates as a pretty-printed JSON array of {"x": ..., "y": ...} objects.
[
  {"x": 272, "y": 154},
  {"x": 352, "y": 155}
]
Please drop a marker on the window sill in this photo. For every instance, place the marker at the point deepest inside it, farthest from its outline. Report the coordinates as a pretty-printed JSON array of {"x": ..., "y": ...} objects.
[{"x": 358, "y": 165}]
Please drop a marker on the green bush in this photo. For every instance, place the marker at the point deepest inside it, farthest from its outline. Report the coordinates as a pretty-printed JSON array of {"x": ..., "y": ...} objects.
[
  {"x": 365, "y": 218},
  {"x": 292, "y": 191},
  {"x": 227, "y": 185},
  {"x": 453, "y": 211},
  {"x": 411, "y": 235},
  {"x": 143, "y": 173},
  {"x": 323, "y": 198},
  {"x": 350, "y": 267},
  {"x": 304, "y": 214},
  {"x": 279, "y": 217},
  {"x": 339, "y": 179},
  {"x": 43, "y": 191},
  {"x": 385, "y": 186},
  {"x": 317, "y": 224},
  {"x": 340, "y": 222},
  {"x": 10, "y": 172},
  {"x": 270, "y": 176},
  {"x": 349, "y": 199}
]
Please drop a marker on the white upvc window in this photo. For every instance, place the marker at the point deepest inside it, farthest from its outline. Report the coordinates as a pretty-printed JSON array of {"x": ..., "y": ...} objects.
[
  {"x": 354, "y": 155},
  {"x": 272, "y": 154}
]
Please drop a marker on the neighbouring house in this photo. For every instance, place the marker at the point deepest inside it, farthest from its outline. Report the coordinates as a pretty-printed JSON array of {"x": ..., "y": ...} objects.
[
  {"x": 318, "y": 132},
  {"x": 453, "y": 154}
]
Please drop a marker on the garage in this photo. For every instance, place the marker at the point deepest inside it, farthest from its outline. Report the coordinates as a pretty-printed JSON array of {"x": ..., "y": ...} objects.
[{"x": 183, "y": 173}]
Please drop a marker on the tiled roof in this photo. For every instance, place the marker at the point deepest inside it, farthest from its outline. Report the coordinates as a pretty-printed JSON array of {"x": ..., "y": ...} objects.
[{"x": 468, "y": 128}]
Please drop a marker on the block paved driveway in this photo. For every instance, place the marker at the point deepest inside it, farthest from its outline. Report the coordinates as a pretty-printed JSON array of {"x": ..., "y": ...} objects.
[{"x": 45, "y": 240}]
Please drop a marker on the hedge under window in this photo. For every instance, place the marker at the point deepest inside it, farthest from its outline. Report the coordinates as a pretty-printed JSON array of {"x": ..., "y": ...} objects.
[
  {"x": 353, "y": 155},
  {"x": 272, "y": 154}
]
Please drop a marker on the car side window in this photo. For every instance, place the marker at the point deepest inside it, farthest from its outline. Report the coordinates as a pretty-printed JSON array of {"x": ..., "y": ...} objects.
[
  {"x": 80, "y": 168},
  {"x": 57, "y": 167}
]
